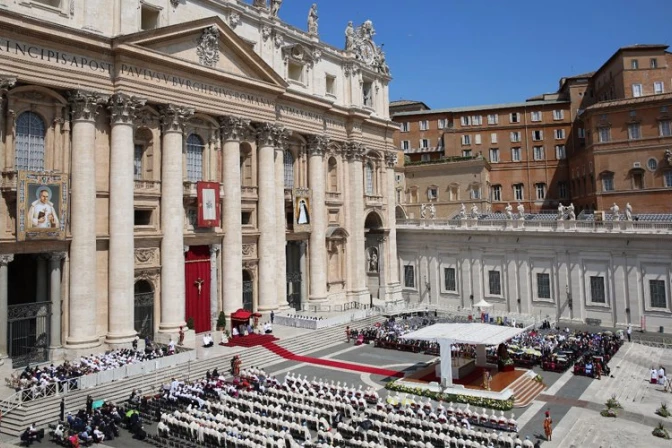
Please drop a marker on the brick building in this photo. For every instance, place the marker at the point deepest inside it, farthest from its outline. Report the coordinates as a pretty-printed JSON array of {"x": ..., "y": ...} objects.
[{"x": 553, "y": 148}]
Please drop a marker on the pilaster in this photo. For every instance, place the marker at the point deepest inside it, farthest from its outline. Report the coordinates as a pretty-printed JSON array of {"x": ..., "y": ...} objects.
[
  {"x": 5, "y": 259},
  {"x": 355, "y": 154},
  {"x": 317, "y": 145},
  {"x": 281, "y": 222}
]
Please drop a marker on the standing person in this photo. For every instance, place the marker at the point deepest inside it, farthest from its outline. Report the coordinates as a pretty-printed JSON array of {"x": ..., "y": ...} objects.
[
  {"x": 548, "y": 428},
  {"x": 180, "y": 341},
  {"x": 629, "y": 332},
  {"x": 347, "y": 334},
  {"x": 61, "y": 415},
  {"x": 272, "y": 316},
  {"x": 89, "y": 405},
  {"x": 135, "y": 342},
  {"x": 236, "y": 366}
]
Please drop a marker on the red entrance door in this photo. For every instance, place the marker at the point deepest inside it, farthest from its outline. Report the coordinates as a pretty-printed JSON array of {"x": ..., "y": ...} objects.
[{"x": 197, "y": 285}]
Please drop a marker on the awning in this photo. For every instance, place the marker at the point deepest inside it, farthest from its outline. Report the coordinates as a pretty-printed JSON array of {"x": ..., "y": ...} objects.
[
  {"x": 474, "y": 333},
  {"x": 241, "y": 314}
]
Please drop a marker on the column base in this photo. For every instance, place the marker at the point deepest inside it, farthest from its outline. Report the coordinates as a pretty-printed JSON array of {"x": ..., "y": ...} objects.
[
  {"x": 172, "y": 327},
  {"x": 317, "y": 299},
  {"x": 56, "y": 353},
  {"x": 284, "y": 307},
  {"x": 117, "y": 339},
  {"x": 76, "y": 344}
]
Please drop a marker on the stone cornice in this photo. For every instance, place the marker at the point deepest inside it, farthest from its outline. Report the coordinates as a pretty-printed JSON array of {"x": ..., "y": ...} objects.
[
  {"x": 173, "y": 118},
  {"x": 234, "y": 128},
  {"x": 85, "y": 105},
  {"x": 124, "y": 108}
]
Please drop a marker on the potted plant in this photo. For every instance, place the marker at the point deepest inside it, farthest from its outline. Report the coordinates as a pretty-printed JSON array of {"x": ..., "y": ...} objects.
[
  {"x": 190, "y": 323},
  {"x": 221, "y": 321}
]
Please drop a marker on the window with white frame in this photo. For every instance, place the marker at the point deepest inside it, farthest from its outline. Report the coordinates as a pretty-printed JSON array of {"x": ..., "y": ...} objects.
[
  {"x": 367, "y": 94},
  {"x": 466, "y": 153},
  {"x": 475, "y": 192},
  {"x": 405, "y": 126},
  {"x": 449, "y": 279},
  {"x": 559, "y": 134},
  {"x": 543, "y": 285},
  {"x": 604, "y": 134},
  {"x": 608, "y": 182},
  {"x": 496, "y": 193},
  {"x": 518, "y": 192},
  {"x": 288, "y": 164},
  {"x": 424, "y": 125},
  {"x": 495, "y": 283},
  {"x": 634, "y": 131},
  {"x": 466, "y": 140},
  {"x": 653, "y": 63},
  {"x": 535, "y": 116},
  {"x": 442, "y": 123},
  {"x": 477, "y": 120},
  {"x": 138, "y": 150},
  {"x": 560, "y": 152},
  {"x": 538, "y": 152},
  {"x": 425, "y": 157},
  {"x": 668, "y": 178},
  {"x": 658, "y": 294},
  {"x": 494, "y": 155},
  {"x": 29, "y": 147},
  {"x": 563, "y": 192},
  {"x": 195, "y": 148},
  {"x": 541, "y": 191},
  {"x": 537, "y": 135},
  {"x": 597, "y": 293},
  {"x": 634, "y": 64},
  {"x": 405, "y": 145},
  {"x": 636, "y": 90},
  {"x": 514, "y": 117},
  {"x": 515, "y": 154},
  {"x": 665, "y": 128},
  {"x": 515, "y": 137},
  {"x": 432, "y": 193},
  {"x": 493, "y": 137},
  {"x": 558, "y": 114},
  {"x": 424, "y": 143},
  {"x": 493, "y": 118},
  {"x": 658, "y": 87},
  {"x": 477, "y": 139},
  {"x": 409, "y": 276},
  {"x": 368, "y": 179},
  {"x": 465, "y": 120}
]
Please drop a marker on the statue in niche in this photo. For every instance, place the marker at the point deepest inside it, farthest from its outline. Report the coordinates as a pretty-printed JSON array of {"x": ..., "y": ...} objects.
[
  {"x": 372, "y": 255},
  {"x": 628, "y": 212},
  {"x": 508, "y": 210},
  {"x": 312, "y": 20},
  {"x": 349, "y": 37},
  {"x": 275, "y": 7}
]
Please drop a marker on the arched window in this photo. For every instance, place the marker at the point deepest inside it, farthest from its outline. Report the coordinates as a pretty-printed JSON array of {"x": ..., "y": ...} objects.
[
  {"x": 195, "y": 149},
  {"x": 288, "y": 162},
  {"x": 333, "y": 175},
  {"x": 30, "y": 134},
  {"x": 368, "y": 179}
]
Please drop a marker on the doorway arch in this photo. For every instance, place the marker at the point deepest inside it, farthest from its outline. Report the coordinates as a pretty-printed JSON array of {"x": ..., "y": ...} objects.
[
  {"x": 143, "y": 308},
  {"x": 248, "y": 291}
]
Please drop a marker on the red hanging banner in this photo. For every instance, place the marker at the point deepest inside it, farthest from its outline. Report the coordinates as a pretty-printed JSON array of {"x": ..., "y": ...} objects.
[{"x": 208, "y": 204}]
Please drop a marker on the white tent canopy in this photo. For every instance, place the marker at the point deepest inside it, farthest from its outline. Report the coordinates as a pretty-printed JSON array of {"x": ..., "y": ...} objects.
[
  {"x": 482, "y": 304},
  {"x": 474, "y": 333}
]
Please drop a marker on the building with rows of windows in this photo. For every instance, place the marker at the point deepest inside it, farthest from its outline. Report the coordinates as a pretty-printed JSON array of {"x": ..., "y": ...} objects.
[{"x": 163, "y": 161}]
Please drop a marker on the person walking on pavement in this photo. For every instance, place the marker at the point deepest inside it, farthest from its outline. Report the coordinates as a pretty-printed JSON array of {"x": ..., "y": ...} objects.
[
  {"x": 629, "y": 332},
  {"x": 272, "y": 316},
  {"x": 347, "y": 334},
  {"x": 548, "y": 428}
]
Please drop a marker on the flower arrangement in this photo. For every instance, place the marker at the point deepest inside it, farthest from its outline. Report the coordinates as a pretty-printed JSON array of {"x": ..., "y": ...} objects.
[
  {"x": 507, "y": 362},
  {"x": 609, "y": 412},
  {"x": 500, "y": 405},
  {"x": 613, "y": 403},
  {"x": 662, "y": 410},
  {"x": 539, "y": 379},
  {"x": 660, "y": 431}
]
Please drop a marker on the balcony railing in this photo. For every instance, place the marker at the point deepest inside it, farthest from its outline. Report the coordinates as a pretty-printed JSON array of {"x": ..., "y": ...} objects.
[
  {"x": 148, "y": 186},
  {"x": 333, "y": 196},
  {"x": 249, "y": 192},
  {"x": 371, "y": 199}
]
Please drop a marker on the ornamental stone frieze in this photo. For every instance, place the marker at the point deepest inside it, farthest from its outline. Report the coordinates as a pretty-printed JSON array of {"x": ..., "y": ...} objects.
[
  {"x": 249, "y": 250},
  {"x": 151, "y": 275},
  {"x": 355, "y": 151},
  {"x": 149, "y": 255},
  {"x": 85, "y": 105},
  {"x": 173, "y": 118},
  {"x": 124, "y": 108},
  {"x": 208, "y": 47},
  {"x": 251, "y": 266},
  {"x": 391, "y": 159},
  {"x": 234, "y": 128},
  {"x": 234, "y": 20},
  {"x": 5, "y": 259},
  {"x": 317, "y": 144}
]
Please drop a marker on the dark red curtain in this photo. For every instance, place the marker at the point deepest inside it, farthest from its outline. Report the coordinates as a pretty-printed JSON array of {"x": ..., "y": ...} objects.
[{"x": 197, "y": 271}]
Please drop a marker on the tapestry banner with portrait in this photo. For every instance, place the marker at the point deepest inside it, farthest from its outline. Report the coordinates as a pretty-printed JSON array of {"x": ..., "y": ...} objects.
[
  {"x": 42, "y": 206},
  {"x": 302, "y": 211},
  {"x": 208, "y": 204}
]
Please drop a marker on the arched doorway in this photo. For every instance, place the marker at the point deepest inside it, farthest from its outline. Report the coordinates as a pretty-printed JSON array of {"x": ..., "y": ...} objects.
[
  {"x": 143, "y": 308},
  {"x": 375, "y": 251},
  {"x": 248, "y": 291}
]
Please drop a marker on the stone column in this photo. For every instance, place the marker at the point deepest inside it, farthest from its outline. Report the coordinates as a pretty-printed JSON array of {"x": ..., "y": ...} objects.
[
  {"x": 55, "y": 295},
  {"x": 83, "y": 310},
  {"x": 355, "y": 154},
  {"x": 317, "y": 144},
  {"x": 280, "y": 220},
  {"x": 266, "y": 220},
  {"x": 233, "y": 131},
  {"x": 392, "y": 277},
  {"x": 214, "y": 250},
  {"x": 304, "y": 272},
  {"x": 121, "y": 252},
  {"x": 5, "y": 259},
  {"x": 41, "y": 283},
  {"x": 173, "y": 119}
]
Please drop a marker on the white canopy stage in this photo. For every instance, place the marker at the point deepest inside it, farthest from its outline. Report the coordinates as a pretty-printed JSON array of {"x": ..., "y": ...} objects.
[
  {"x": 476, "y": 334},
  {"x": 482, "y": 304}
]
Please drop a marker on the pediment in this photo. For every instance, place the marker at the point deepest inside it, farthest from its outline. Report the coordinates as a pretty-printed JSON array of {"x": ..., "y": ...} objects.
[{"x": 208, "y": 43}]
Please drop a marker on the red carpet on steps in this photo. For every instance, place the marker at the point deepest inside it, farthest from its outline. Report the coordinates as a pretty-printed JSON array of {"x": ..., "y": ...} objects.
[
  {"x": 283, "y": 352},
  {"x": 251, "y": 340}
]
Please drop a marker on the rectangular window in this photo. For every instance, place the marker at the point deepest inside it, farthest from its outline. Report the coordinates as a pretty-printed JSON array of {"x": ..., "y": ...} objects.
[
  {"x": 466, "y": 153},
  {"x": 137, "y": 162},
  {"x": 424, "y": 158},
  {"x": 541, "y": 191},
  {"x": 559, "y": 134},
  {"x": 493, "y": 118},
  {"x": 477, "y": 120},
  {"x": 535, "y": 116},
  {"x": 465, "y": 121},
  {"x": 442, "y": 123},
  {"x": 636, "y": 90},
  {"x": 494, "y": 155},
  {"x": 149, "y": 18},
  {"x": 449, "y": 279},
  {"x": 581, "y": 132},
  {"x": 637, "y": 181},
  {"x": 604, "y": 134},
  {"x": 597, "y": 290},
  {"x": 658, "y": 87},
  {"x": 405, "y": 145},
  {"x": 466, "y": 140},
  {"x": 367, "y": 94},
  {"x": 515, "y": 154},
  {"x": 409, "y": 276},
  {"x": 477, "y": 139},
  {"x": 142, "y": 217},
  {"x": 518, "y": 192},
  {"x": 653, "y": 63},
  {"x": 405, "y": 127},
  {"x": 515, "y": 137},
  {"x": 514, "y": 117},
  {"x": 496, "y": 193},
  {"x": 537, "y": 135},
  {"x": 608, "y": 182},
  {"x": 543, "y": 286},
  {"x": 494, "y": 282},
  {"x": 658, "y": 296},
  {"x": 634, "y": 131},
  {"x": 562, "y": 190},
  {"x": 493, "y": 137},
  {"x": 424, "y": 143},
  {"x": 634, "y": 64},
  {"x": 295, "y": 71},
  {"x": 538, "y": 152},
  {"x": 432, "y": 193},
  {"x": 424, "y": 125},
  {"x": 475, "y": 192},
  {"x": 665, "y": 127},
  {"x": 668, "y": 178},
  {"x": 558, "y": 114},
  {"x": 330, "y": 86},
  {"x": 560, "y": 152}
]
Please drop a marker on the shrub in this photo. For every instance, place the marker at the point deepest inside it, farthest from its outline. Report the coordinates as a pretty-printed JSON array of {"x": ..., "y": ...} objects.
[
  {"x": 500, "y": 405},
  {"x": 539, "y": 379},
  {"x": 660, "y": 431},
  {"x": 190, "y": 323},
  {"x": 221, "y": 320},
  {"x": 662, "y": 410},
  {"x": 609, "y": 412},
  {"x": 613, "y": 403}
]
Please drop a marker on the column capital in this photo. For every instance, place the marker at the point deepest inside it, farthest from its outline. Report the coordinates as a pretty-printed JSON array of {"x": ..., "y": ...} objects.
[
  {"x": 84, "y": 105},
  {"x": 271, "y": 134},
  {"x": 214, "y": 248},
  {"x": 123, "y": 108},
  {"x": 355, "y": 151},
  {"x": 56, "y": 256},
  {"x": 5, "y": 259},
  {"x": 173, "y": 118},
  {"x": 234, "y": 128},
  {"x": 317, "y": 144},
  {"x": 6, "y": 82},
  {"x": 391, "y": 159}
]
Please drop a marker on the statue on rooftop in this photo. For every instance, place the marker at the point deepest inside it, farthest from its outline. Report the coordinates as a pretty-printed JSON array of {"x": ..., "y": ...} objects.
[
  {"x": 615, "y": 215},
  {"x": 628, "y": 212},
  {"x": 312, "y": 20},
  {"x": 432, "y": 211},
  {"x": 423, "y": 211},
  {"x": 275, "y": 7},
  {"x": 463, "y": 211},
  {"x": 561, "y": 212},
  {"x": 260, "y": 4},
  {"x": 570, "y": 210},
  {"x": 508, "y": 210},
  {"x": 349, "y": 37},
  {"x": 521, "y": 211},
  {"x": 474, "y": 211}
]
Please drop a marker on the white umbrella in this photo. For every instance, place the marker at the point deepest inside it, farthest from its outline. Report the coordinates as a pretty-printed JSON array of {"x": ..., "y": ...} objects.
[{"x": 482, "y": 304}]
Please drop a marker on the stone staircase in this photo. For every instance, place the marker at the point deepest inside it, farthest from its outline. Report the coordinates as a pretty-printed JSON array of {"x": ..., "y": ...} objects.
[
  {"x": 45, "y": 410},
  {"x": 525, "y": 390}
]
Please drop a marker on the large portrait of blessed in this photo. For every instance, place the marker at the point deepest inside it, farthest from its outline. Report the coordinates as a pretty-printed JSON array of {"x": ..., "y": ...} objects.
[
  {"x": 302, "y": 212},
  {"x": 41, "y": 206}
]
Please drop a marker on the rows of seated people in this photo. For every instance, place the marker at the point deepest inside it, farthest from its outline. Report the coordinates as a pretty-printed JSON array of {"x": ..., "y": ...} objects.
[{"x": 87, "y": 427}]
